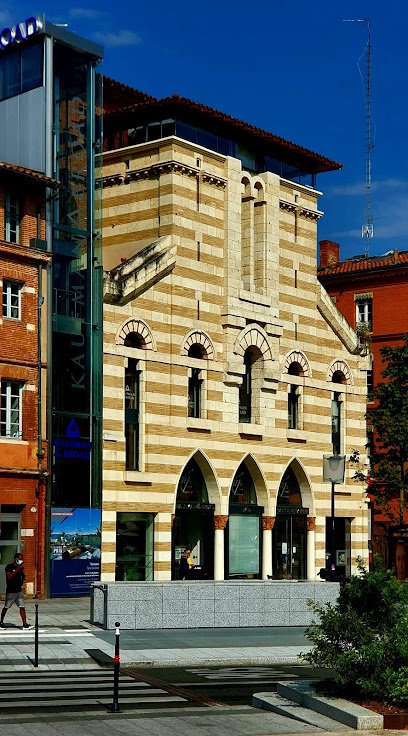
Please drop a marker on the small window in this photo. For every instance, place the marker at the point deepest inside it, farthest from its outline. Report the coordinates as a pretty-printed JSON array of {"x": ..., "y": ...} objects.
[
  {"x": 21, "y": 70},
  {"x": 10, "y": 415},
  {"x": 293, "y": 407},
  {"x": 11, "y": 300},
  {"x": 12, "y": 219}
]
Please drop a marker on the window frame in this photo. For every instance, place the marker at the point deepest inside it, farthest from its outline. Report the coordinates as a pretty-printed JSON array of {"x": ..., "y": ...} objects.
[
  {"x": 7, "y": 305},
  {"x": 293, "y": 406},
  {"x": 365, "y": 316},
  {"x": 6, "y": 392},
  {"x": 195, "y": 383},
  {"x": 8, "y": 231},
  {"x": 336, "y": 422}
]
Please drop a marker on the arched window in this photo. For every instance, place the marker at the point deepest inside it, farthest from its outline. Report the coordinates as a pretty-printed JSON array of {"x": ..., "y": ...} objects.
[
  {"x": 195, "y": 382},
  {"x": 289, "y": 490},
  {"x": 191, "y": 487},
  {"x": 295, "y": 369},
  {"x": 339, "y": 377},
  {"x": 133, "y": 340},
  {"x": 249, "y": 398},
  {"x": 132, "y": 412},
  {"x": 243, "y": 488}
]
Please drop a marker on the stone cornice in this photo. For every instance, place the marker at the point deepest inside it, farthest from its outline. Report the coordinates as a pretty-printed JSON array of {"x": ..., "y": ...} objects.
[
  {"x": 167, "y": 167},
  {"x": 301, "y": 211}
]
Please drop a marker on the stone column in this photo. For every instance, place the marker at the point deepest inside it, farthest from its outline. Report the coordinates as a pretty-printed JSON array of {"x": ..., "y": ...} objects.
[
  {"x": 310, "y": 544},
  {"x": 267, "y": 526},
  {"x": 220, "y": 522}
]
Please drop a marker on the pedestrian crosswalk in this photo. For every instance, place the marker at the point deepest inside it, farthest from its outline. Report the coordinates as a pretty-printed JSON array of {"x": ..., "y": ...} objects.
[{"x": 57, "y": 690}]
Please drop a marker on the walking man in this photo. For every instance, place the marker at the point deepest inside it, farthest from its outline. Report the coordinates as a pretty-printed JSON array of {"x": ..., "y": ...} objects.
[{"x": 14, "y": 591}]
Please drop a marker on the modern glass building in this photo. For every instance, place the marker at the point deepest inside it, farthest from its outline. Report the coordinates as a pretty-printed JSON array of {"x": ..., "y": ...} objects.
[{"x": 51, "y": 122}]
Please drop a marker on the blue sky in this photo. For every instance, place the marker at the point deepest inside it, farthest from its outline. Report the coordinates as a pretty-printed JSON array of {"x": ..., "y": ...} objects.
[
  {"x": 290, "y": 68},
  {"x": 86, "y": 520}
]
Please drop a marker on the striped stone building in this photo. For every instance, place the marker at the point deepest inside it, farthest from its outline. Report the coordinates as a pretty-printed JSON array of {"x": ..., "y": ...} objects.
[{"x": 228, "y": 371}]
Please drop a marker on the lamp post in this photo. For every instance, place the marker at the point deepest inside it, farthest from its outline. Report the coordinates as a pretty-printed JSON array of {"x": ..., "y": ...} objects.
[{"x": 333, "y": 472}]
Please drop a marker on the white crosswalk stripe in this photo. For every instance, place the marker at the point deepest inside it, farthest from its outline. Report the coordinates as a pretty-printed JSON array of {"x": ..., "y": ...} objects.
[{"x": 36, "y": 690}]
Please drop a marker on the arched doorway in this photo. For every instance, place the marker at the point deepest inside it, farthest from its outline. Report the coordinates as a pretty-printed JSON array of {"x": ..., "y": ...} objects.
[
  {"x": 193, "y": 525},
  {"x": 289, "y": 544},
  {"x": 244, "y": 528}
]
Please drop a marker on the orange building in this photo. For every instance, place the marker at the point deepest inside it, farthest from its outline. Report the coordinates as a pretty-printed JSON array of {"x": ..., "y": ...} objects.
[
  {"x": 23, "y": 351},
  {"x": 372, "y": 294}
]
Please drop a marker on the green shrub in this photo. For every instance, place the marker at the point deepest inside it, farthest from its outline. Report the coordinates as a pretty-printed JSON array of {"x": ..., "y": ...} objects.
[{"x": 363, "y": 638}]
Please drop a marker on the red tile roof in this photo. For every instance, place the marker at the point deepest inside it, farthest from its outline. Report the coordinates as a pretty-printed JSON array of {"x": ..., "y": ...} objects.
[
  {"x": 117, "y": 94},
  {"x": 362, "y": 265},
  {"x": 36, "y": 175},
  {"x": 176, "y": 103}
]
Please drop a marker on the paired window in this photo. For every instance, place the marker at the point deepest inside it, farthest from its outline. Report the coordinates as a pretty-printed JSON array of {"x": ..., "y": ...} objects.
[
  {"x": 132, "y": 414},
  {"x": 10, "y": 415},
  {"x": 12, "y": 299},
  {"x": 12, "y": 219}
]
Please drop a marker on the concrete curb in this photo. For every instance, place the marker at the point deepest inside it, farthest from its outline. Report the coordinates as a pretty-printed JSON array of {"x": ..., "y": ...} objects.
[
  {"x": 354, "y": 716},
  {"x": 283, "y": 707}
]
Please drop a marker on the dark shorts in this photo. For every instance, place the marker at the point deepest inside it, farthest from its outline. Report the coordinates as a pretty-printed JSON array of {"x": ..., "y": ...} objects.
[{"x": 17, "y": 598}]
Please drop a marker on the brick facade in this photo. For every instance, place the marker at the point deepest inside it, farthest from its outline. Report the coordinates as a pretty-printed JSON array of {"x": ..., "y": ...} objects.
[
  {"x": 21, "y": 487},
  {"x": 383, "y": 280}
]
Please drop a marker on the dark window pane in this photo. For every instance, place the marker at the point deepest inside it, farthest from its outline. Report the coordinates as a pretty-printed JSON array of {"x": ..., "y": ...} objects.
[
  {"x": 188, "y": 132},
  {"x": 10, "y": 75},
  {"x": 206, "y": 139},
  {"x": 31, "y": 67},
  {"x": 225, "y": 146},
  {"x": 136, "y": 135},
  {"x": 168, "y": 128},
  {"x": 153, "y": 131}
]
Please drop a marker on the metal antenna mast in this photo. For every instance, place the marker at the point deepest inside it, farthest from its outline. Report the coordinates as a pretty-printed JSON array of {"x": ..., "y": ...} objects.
[{"x": 367, "y": 231}]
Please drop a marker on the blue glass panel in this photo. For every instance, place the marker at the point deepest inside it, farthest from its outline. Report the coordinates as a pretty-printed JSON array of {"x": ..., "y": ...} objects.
[
  {"x": 186, "y": 131},
  {"x": 31, "y": 67},
  {"x": 206, "y": 139}
]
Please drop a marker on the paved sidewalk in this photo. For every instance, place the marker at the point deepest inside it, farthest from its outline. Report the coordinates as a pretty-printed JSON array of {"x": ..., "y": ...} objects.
[{"x": 66, "y": 634}]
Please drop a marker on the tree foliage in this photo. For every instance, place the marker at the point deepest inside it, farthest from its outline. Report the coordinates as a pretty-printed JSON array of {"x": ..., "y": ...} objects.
[
  {"x": 363, "y": 638},
  {"x": 389, "y": 423}
]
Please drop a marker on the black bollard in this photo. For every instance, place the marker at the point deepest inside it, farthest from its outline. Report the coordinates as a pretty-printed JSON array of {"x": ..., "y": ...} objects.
[
  {"x": 36, "y": 637},
  {"x": 116, "y": 668}
]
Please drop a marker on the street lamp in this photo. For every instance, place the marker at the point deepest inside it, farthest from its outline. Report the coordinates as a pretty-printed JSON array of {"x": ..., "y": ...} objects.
[{"x": 333, "y": 472}]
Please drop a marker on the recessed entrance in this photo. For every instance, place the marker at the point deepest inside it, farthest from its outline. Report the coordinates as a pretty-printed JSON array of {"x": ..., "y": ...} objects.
[
  {"x": 290, "y": 531},
  {"x": 193, "y": 525},
  {"x": 9, "y": 543}
]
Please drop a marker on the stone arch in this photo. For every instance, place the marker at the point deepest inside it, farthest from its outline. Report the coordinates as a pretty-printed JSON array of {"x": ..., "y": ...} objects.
[
  {"x": 304, "y": 484},
  {"x": 246, "y": 187},
  {"x": 210, "y": 478},
  {"x": 295, "y": 356},
  {"x": 141, "y": 329},
  {"x": 258, "y": 478},
  {"x": 253, "y": 336},
  {"x": 259, "y": 189},
  {"x": 201, "y": 338},
  {"x": 340, "y": 366}
]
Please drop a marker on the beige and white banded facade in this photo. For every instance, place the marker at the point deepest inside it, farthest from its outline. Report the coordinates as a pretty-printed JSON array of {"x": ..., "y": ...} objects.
[{"x": 228, "y": 374}]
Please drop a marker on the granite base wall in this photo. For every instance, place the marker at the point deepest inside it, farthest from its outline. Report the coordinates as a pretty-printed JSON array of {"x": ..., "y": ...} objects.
[{"x": 210, "y": 604}]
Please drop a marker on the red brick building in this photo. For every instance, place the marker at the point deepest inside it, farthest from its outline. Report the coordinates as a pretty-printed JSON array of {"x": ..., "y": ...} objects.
[
  {"x": 372, "y": 294},
  {"x": 23, "y": 351}
]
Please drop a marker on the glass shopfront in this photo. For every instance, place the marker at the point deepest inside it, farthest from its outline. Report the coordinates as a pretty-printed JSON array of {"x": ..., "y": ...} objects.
[
  {"x": 244, "y": 528},
  {"x": 134, "y": 546},
  {"x": 289, "y": 532}
]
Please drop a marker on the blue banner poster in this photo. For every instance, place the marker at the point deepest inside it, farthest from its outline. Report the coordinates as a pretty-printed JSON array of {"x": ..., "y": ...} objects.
[{"x": 75, "y": 550}]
